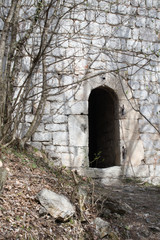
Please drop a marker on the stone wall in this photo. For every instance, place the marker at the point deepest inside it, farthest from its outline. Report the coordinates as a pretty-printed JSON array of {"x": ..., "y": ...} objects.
[{"x": 112, "y": 44}]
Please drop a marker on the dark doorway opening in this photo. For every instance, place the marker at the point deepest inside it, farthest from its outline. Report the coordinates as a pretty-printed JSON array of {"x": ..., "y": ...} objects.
[{"x": 104, "y": 150}]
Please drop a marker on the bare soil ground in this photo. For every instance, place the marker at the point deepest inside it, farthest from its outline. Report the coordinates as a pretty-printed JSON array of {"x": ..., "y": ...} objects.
[
  {"x": 143, "y": 222},
  {"x": 19, "y": 211}
]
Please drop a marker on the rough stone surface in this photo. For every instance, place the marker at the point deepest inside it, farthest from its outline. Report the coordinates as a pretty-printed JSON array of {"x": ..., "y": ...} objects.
[
  {"x": 56, "y": 205},
  {"x": 141, "y": 171},
  {"x": 78, "y": 130},
  {"x": 42, "y": 137},
  {"x": 112, "y": 172}
]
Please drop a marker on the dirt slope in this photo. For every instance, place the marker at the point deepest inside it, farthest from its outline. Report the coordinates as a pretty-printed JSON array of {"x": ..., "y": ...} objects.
[{"x": 19, "y": 211}]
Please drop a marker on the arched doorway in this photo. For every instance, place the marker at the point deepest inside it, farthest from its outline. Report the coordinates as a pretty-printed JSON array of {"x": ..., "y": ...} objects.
[{"x": 104, "y": 150}]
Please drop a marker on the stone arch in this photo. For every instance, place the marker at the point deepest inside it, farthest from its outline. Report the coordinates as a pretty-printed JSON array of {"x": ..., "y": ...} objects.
[{"x": 103, "y": 118}]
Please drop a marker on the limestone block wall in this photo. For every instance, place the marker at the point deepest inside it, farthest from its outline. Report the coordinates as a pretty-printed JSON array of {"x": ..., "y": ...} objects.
[{"x": 112, "y": 44}]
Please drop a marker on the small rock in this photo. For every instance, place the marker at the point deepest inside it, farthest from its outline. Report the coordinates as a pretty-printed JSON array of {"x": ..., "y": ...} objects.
[
  {"x": 1, "y": 164},
  {"x": 42, "y": 211},
  {"x": 3, "y": 177},
  {"x": 58, "y": 206},
  {"x": 102, "y": 227}
]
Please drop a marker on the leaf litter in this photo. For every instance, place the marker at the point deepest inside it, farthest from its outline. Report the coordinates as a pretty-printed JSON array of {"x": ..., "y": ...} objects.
[{"x": 28, "y": 173}]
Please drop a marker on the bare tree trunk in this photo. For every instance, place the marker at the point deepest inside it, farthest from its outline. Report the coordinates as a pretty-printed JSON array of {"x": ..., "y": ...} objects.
[{"x": 3, "y": 41}]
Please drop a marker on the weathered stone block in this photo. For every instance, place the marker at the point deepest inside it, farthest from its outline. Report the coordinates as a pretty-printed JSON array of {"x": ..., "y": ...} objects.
[
  {"x": 26, "y": 64},
  {"x": 67, "y": 159},
  {"x": 47, "y": 108},
  {"x": 104, "y": 6},
  {"x": 47, "y": 119},
  {"x": 148, "y": 143},
  {"x": 59, "y": 118},
  {"x": 111, "y": 172},
  {"x": 51, "y": 147},
  {"x": 140, "y": 22},
  {"x": 156, "y": 111},
  {"x": 113, "y": 19},
  {"x": 134, "y": 84},
  {"x": 131, "y": 10},
  {"x": 37, "y": 145},
  {"x": 138, "y": 171},
  {"x": 67, "y": 80},
  {"x": 40, "y": 127},
  {"x": 78, "y": 129},
  {"x": 1, "y": 24},
  {"x": 146, "y": 127},
  {"x": 142, "y": 11},
  {"x": 154, "y": 180},
  {"x": 136, "y": 33},
  {"x": 83, "y": 92},
  {"x": 151, "y": 23},
  {"x": 135, "y": 3},
  {"x": 153, "y": 99},
  {"x": 98, "y": 42},
  {"x": 23, "y": 128},
  {"x": 101, "y": 18},
  {"x": 42, "y": 137},
  {"x": 52, "y": 127},
  {"x": 142, "y": 95},
  {"x": 94, "y": 28},
  {"x": 154, "y": 3},
  {"x": 152, "y": 13},
  {"x": 75, "y": 157},
  {"x": 122, "y": 9},
  {"x": 129, "y": 129},
  {"x": 29, "y": 118},
  {"x": 154, "y": 170},
  {"x": 90, "y": 15},
  {"x": 80, "y": 107},
  {"x": 60, "y": 138},
  {"x": 114, "y": 8},
  {"x": 148, "y": 3},
  {"x": 134, "y": 152},
  {"x": 105, "y": 31},
  {"x": 55, "y": 156},
  {"x": 157, "y": 145},
  {"x": 149, "y": 35},
  {"x": 114, "y": 43},
  {"x": 123, "y": 32}
]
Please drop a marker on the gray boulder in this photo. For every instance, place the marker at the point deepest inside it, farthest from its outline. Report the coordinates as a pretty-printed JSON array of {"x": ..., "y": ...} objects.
[{"x": 56, "y": 205}]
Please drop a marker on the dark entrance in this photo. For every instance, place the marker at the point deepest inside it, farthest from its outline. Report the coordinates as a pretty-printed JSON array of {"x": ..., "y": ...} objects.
[{"x": 103, "y": 128}]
